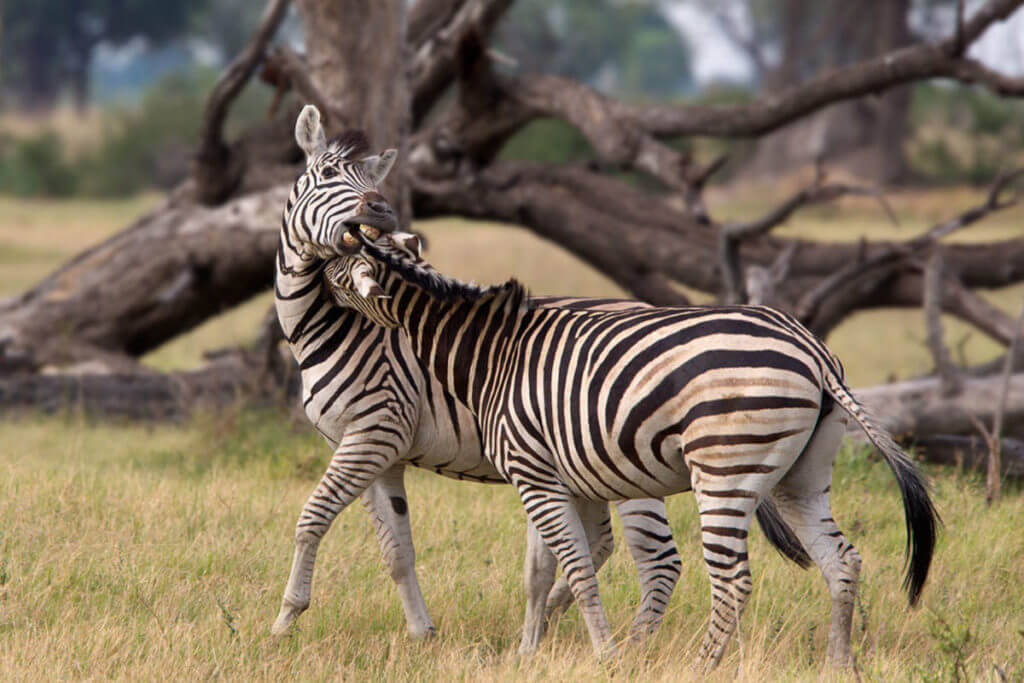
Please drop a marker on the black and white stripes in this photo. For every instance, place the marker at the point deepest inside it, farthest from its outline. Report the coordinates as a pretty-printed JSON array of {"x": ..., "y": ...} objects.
[
  {"x": 737, "y": 403},
  {"x": 373, "y": 401}
]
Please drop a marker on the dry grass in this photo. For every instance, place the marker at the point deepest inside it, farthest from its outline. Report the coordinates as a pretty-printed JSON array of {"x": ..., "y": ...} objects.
[
  {"x": 153, "y": 552},
  {"x": 145, "y": 552}
]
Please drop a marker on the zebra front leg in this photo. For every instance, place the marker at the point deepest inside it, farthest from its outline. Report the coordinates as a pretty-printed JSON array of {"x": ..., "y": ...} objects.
[
  {"x": 387, "y": 504},
  {"x": 538, "y": 575},
  {"x": 357, "y": 462},
  {"x": 649, "y": 538},
  {"x": 553, "y": 512},
  {"x": 598, "y": 526}
]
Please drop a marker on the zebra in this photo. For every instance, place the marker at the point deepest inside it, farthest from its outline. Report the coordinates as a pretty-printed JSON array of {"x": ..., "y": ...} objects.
[
  {"x": 349, "y": 365},
  {"x": 368, "y": 396},
  {"x": 735, "y": 403}
]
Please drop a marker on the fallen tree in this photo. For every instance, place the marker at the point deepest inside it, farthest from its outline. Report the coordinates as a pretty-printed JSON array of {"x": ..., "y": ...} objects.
[{"x": 424, "y": 78}]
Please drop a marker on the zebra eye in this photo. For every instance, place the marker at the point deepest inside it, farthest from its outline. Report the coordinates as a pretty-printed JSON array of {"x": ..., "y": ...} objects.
[{"x": 329, "y": 172}]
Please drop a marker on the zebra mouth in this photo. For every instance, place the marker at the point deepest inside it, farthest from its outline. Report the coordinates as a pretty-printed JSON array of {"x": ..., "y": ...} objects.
[{"x": 355, "y": 233}]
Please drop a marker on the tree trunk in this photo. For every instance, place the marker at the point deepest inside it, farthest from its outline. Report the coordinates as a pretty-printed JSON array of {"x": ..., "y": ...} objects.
[
  {"x": 865, "y": 136},
  {"x": 917, "y": 406},
  {"x": 174, "y": 268},
  {"x": 356, "y": 60}
]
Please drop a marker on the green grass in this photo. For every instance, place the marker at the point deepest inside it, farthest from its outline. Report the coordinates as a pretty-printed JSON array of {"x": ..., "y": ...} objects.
[{"x": 146, "y": 552}]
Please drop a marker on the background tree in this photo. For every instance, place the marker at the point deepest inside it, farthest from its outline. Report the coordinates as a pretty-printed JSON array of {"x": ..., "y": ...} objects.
[
  {"x": 788, "y": 41},
  {"x": 212, "y": 244},
  {"x": 627, "y": 48},
  {"x": 48, "y": 44}
]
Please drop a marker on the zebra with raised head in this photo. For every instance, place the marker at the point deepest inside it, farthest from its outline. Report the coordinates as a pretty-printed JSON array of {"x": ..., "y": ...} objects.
[
  {"x": 365, "y": 392},
  {"x": 735, "y": 403}
]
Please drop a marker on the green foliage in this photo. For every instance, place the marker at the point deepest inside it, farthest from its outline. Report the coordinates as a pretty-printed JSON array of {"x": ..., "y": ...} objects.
[
  {"x": 964, "y": 134},
  {"x": 625, "y": 46},
  {"x": 547, "y": 140},
  {"x": 953, "y": 645},
  {"x": 143, "y": 146},
  {"x": 35, "y": 166},
  {"x": 48, "y": 43},
  {"x": 149, "y": 145}
]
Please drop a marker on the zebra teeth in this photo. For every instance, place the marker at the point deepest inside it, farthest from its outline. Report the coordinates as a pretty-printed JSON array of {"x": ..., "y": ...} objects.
[
  {"x": 350, "y": 240},
  {"x": 370, "y": 231}
]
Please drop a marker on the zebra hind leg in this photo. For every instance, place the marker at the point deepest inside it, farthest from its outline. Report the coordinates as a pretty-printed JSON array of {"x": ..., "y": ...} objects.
[
  {"x": 649, "y": 538},
  {"x": 386, "y": 502},
  {"x": 725, "y": 521},
  {"x": 598, "y": 525},
  {"x": 356, "y": 464},
  {"x": 552, "y": 510},
  {"x": 803, "y": 500},
  {"x": 538, "y": 576}
]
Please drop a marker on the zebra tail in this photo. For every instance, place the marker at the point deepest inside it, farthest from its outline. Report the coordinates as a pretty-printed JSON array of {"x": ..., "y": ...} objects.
[
  {"x": 921, "y": 517},
  {"x": 780, "y": 535}
]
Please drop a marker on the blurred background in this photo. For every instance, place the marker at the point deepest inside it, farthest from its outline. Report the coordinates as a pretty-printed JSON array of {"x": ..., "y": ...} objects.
[{"x": 101, "y": 108}]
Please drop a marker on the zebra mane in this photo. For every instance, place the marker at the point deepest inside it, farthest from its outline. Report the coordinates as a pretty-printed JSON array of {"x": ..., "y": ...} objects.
[
  {"x": 422, "y": 275},
  {"x": 351, "y": 144}
]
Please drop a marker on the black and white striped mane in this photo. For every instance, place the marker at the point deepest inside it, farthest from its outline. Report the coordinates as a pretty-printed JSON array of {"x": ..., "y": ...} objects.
[
  {"x": 350, "y": 144},
  {"x": 418, "y": 272}
]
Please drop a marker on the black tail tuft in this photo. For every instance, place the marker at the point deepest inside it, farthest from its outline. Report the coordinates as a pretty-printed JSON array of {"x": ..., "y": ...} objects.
[
  {"x": 922, "y": 525},
  {"x": 780, "y": 535}
]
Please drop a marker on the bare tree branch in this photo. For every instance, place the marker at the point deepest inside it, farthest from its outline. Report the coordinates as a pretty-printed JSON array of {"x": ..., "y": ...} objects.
[
  {"x": 973, "y": 71},
  {"x": 215, "y": 171},
  {"x": 971, "y": 307},
  {"x": 434, "y": 62},
  {"x": 732, "y": 235},
  {"x": 993, "y": 202},
  {"x": 815, "y": 193},
  {"x": 993, "y": 483},
  {"x": 949, "y": 376},
  {"x": 762, "y": 282},
  {"x": 295, "y": 70},
  {"x": 916, "y": 62}
]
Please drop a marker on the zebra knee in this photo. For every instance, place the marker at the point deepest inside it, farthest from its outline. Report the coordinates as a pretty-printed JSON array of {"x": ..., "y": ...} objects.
[{"x": 306, "y": 536}]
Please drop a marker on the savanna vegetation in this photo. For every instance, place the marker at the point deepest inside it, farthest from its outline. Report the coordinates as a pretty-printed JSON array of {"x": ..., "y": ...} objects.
[{"x": 142, "y": 551}]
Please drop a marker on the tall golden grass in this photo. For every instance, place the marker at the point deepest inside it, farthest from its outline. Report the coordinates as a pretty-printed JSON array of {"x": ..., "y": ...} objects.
[{"x": 145, "y": 552}]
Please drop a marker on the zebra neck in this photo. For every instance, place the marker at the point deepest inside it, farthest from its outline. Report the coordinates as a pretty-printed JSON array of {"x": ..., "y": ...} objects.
[
  {"x": 297, "y": 287},
  {"x": 458, "y": 341}
]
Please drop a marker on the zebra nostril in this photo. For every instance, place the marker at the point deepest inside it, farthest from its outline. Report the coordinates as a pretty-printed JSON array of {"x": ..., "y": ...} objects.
[{"x": 378, "y": 207}]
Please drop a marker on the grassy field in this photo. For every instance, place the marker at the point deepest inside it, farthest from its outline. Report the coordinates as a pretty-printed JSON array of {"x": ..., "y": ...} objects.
[
  {"x": 144, "y": 552},
  {"x": 151, "y": 552}
]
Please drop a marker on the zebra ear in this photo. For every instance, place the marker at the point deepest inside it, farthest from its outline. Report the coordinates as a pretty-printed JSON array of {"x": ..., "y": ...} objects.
[
  {"x": 309, "y": 132},
  {"x": 364, "y": 283},
  {"x": 379, "y": 166},
  {"x": 408, "y": 240}
]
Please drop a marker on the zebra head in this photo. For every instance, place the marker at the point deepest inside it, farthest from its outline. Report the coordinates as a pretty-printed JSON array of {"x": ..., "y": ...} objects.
[
  {"x": 336, "y": 195},
  {"x": 352, "y": 279}
]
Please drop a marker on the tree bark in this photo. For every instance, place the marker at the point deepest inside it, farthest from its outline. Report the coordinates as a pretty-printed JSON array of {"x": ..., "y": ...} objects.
[
  {"x": 174, "y": 268},
  {"x": 917, "y": 406},
  {"x": 356, "y": 57}
]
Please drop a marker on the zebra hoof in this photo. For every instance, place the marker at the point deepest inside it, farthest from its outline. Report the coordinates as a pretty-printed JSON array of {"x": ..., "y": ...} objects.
[
  {"x": 285, "y": 617},
  {"x": 430, "y": 633}
]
